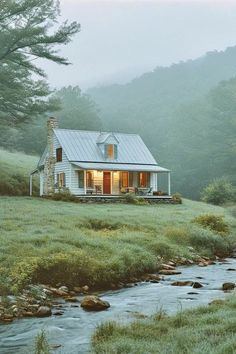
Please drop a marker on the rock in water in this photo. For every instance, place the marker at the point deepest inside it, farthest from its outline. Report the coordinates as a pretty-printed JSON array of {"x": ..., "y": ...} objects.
[
  {"x": 94, "y": 303},
  {"x": 182, "y": 283},
  {"x": 44, "y": 311},
  {"x": 228, "y": 286},
  {"x": 197, "y": 285}
]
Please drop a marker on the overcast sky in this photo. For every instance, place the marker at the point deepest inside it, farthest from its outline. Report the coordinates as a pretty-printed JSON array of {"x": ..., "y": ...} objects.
[{"x": 121, "y": 39}]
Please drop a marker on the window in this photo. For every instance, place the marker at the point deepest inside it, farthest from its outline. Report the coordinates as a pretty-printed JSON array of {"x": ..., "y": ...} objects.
[
  {"x": 81, "y": 179},
  {"x": 111, "y": 151},
  {"x": 125, "y": 179},
  {"x": 59, "y": 154},
  {"x": 144, "y": 179},
  {"x": 89, "y": 179},
  {"x": 61, "y": 180}
]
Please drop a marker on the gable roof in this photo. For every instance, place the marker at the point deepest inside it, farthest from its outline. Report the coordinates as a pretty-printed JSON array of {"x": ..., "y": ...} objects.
[{"x": 81, "y": 146}]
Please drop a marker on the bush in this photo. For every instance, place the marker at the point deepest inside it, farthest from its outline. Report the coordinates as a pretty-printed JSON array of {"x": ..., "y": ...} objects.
[
  {"x": 177, "y": 198},
  {"x": 218, "y": 192},
  {"x": 131, "y": 198},
  {"x": 208, "y": 243},
  {"x": 212, "y": 222},
  {"x": 65, "y": 196}
]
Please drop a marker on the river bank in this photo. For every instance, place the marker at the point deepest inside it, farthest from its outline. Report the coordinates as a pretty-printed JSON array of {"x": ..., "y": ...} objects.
[{"x": 73, "y": 329}]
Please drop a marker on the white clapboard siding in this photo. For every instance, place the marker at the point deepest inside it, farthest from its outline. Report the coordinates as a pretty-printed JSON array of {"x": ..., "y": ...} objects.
[
  {"x": 62, "y": 167},
  {"x": 74, "y": 187}
]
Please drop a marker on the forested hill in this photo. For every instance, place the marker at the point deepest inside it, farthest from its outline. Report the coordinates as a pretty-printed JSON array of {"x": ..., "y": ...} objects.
[{"x": 174, "y": 109}]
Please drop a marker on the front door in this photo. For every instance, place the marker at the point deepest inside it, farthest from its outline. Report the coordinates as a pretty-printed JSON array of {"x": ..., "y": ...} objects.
[{"x": 106, "y": 182}]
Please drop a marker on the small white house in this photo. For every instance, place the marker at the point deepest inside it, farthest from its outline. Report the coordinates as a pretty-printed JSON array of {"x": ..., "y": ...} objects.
[{"x": 92, "y": 163}]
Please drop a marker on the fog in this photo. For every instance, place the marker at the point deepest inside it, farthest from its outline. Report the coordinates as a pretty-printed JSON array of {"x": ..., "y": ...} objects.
[{"x": 122, "y": 39}]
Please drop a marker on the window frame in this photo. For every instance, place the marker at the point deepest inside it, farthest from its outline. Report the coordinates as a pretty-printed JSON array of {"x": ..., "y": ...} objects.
[
  {"x": 61, "y": 180},
  {"x": 81, "y": 179},
  {"x": 59, "y": 154}
]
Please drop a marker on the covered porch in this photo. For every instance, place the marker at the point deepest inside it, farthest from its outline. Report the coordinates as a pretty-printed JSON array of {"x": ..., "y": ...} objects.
[{"x": 114, "y": 182}]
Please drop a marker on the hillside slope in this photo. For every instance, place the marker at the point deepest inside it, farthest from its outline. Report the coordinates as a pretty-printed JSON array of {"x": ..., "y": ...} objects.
[
  {"x": 171, "y": 108},
  {"x": 15, "y": 168}
]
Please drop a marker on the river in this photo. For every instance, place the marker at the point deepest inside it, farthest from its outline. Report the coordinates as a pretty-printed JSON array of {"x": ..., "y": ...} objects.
[{"x": 74, "y": 328}]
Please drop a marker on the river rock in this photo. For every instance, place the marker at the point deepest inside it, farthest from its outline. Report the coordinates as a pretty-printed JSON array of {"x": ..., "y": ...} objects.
[
  {"x": 228, "y": 286},
  {"x": 169, "y": 272},
  {"x": 182, "y": 283},
  {"x": 167, "y": 266},
  {"x": 44, "y": 311},
  {"x": 94, "y": 303},
  {"x": 64, "y": 288},
  {"x": 231, "y": 270},
  {"x": 85, "y": 288},
  {"x": 197, "y": 285}
]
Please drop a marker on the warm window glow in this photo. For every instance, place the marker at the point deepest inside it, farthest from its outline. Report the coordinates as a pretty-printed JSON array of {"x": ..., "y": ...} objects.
[
  {"x": 59, "y": 154},
  {"x": 89, "y": 179},
  {"x": 125, "y": 179},
  {"x": 61, "y": 180},
  {"x": 144, "y": 179},
  {"x": 110, "y": 151}
]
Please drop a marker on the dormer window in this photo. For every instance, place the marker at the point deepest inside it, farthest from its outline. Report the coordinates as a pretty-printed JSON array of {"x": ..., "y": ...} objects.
[
  {"x": 111, "y": 151},
  {"x": 59, "y": 154}
]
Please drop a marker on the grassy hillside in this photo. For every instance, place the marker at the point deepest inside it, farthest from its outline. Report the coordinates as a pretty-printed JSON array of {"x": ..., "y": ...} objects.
[
  {"x": 206, "y": 330},
  {"x": 15, "y": 168},
  {"x": 98, "y": 245}
]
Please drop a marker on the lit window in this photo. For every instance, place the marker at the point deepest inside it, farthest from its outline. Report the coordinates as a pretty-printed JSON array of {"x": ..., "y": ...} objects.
[
  {"x": 89, "y": 179},
  {"x": 144, "y": 179},
  {"x": 61, "y": 180},
  {"x": 111, "y": 151}
]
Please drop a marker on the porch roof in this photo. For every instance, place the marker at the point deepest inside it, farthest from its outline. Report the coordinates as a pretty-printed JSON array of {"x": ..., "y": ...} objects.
[{"x": 119, "y": 167}]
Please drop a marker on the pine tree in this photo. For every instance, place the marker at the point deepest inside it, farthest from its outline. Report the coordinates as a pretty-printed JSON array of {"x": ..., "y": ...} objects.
[{"x": 27, "y": 33}]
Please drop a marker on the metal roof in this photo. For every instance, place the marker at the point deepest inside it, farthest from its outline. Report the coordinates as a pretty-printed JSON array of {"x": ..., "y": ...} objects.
[
  {"x": 119, "y": 167},
  {"x": 80, "y": 145}
]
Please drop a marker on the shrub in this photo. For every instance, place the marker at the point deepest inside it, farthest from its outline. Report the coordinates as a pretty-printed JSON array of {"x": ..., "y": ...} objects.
[
  {"x": 212, "y": 222},
  {"x": 177, "y": 198},
  {"x": 131, "y": 198},
  {"x": 218, "y": 192},
  {"x": 204, "y": 240},
  {"x": 65, "y": 196}
]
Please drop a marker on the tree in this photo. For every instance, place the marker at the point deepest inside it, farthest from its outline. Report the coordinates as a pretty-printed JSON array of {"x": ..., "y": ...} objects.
[{"x": 27, "y": 32}]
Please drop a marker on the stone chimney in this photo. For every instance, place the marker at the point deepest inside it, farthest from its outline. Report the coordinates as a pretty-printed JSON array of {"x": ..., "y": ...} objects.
[{"x": 49, "y": 167}]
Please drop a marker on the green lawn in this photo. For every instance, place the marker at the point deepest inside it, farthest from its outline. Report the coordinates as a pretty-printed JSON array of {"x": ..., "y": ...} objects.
[
  {"x": 206, "y": 330},
  {"x": 99, "y": 245}
]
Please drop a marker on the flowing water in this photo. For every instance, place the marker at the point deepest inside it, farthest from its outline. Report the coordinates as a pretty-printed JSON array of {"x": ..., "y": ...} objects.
[{"x": 74, "y": 328}]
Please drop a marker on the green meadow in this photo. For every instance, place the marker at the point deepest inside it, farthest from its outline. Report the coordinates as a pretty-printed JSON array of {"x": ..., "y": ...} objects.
[{"x": 45, "y": 241}]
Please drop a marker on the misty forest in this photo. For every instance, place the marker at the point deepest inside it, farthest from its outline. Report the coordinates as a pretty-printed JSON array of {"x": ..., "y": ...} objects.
[{"x": 102, "y": 249}]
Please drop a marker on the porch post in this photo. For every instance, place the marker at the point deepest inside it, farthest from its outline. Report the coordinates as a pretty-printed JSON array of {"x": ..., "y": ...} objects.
[
  {"x": 31, "y": 185},
  {"x": 169, "y": 185},
  {"x": 85, "y": 182}
]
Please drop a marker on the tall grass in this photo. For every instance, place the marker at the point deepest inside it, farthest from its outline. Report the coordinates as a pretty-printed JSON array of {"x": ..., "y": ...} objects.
[
  {"x": 206, "y": 330},
  {"x": 99, "y": 245}
]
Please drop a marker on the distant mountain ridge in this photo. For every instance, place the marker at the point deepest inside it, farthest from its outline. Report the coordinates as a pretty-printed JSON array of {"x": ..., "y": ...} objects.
[{"x": 152, "y": 104}]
